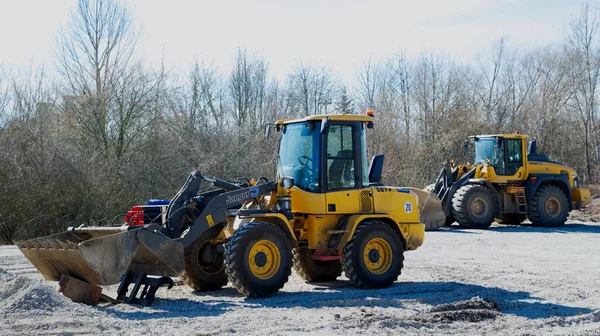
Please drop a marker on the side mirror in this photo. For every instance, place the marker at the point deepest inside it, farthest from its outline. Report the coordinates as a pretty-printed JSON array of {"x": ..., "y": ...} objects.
[
  {"x": 325, "y": 126},
  {"x": 532, "y": 147},
  {"x": 267, "y": 131},
  {"x": 465, "y": 147},
  {"x": 376, "y": 168}
]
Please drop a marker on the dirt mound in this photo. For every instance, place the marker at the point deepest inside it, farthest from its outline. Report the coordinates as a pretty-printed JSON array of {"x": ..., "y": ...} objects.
[
  {"x": 473, "y": 310},
  {"x": 23, "y": 293},
  {"x": 473, "y": 303},
  {"x": 591, "y": 213}
]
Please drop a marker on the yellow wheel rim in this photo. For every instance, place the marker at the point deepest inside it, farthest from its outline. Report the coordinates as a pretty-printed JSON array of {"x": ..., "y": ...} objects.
[
  {"x": 378, "y": 256},
  {"x": 264, "y": 259},
  {"x": 553, "y": 207}
]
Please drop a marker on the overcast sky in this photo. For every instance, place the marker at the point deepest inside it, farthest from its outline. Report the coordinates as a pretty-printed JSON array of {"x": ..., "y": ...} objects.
[{"x": 337, "y": 33}]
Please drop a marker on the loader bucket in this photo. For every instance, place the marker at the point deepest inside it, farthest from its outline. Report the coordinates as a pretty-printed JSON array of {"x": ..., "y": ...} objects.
[
  {"x": 430, "y": 209},
  {"x": 101, "y": 255}
]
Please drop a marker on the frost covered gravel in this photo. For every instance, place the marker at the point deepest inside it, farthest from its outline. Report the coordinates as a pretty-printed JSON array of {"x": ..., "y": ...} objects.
[{"x": 509, "y": 280}]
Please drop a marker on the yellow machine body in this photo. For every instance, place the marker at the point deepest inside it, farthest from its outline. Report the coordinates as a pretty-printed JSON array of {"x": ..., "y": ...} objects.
[
  {"x": 508, "y": 181},
  {"x": 532, "y": 167},
  {"x": 326, "y": 221},
  {"x": 327, "y": 206}
]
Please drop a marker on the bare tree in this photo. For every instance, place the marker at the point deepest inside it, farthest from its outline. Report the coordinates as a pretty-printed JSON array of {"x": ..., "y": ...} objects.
[
  {"x": 403, "y": 89},
  {"x": 490, "y": 66},
  {"x": 311, "y": 88},
  {"x": 109, "y": 90},
  {"x": 582, "y": 49},
  {"x": 247, "y": 89},
  {"x": 367, "y": 81},
  {"x": 4, "y": 96}
]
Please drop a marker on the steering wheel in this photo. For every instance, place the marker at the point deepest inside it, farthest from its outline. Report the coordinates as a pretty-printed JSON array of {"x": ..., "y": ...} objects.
[{"x": 305, "y": 158}]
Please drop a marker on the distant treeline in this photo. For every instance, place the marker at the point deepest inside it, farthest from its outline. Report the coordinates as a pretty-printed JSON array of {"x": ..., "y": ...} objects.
[{"x": 109, "y": 131}]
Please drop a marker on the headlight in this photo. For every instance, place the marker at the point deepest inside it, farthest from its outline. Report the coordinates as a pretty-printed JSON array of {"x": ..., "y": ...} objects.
[
  {"x": 576, "y": 182},
  {"x": 287, "y": 182}
]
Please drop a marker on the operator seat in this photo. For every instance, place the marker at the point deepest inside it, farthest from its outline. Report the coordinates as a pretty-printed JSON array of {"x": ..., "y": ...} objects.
[{"x": 340, "y": 171}]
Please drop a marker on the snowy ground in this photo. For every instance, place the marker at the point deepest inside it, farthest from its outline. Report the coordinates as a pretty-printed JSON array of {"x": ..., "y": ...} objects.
[{"x": 509, "y": 280}]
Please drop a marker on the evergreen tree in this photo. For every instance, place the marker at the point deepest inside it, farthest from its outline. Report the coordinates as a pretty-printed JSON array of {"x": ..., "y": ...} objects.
[{"x": 344, "y": 104}]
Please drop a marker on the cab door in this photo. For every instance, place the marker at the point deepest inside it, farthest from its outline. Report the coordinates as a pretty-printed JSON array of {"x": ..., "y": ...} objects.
[
  {"x": 515, "y": 160},
  {"x": 342, "y": 167}
]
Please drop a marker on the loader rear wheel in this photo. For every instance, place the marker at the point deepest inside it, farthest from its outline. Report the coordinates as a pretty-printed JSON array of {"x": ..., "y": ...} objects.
[
  {"x": 511, "y": 218},
  {"x": 374, "y": 257},
  {"x": 549, "y": 207},
  {"x": 204, "y": 268},
  {"x": 474, "y": 206},
  {"x": 258, "y": 259},
  {"x": 315, "y": 270}
]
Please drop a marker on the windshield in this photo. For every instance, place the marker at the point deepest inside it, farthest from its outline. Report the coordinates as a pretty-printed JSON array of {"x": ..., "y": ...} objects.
[
  {"x": 298, "y": 154},
  {"x": 484, "y": 149}
]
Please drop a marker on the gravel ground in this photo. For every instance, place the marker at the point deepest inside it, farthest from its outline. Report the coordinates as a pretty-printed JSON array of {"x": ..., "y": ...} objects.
[{"x": 508, "y": 280}]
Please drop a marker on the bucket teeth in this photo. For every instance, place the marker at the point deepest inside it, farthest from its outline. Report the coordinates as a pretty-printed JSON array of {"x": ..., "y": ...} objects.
[
  {"x": 45, "y": 243},
  {"x": 63, "y": 244},
  {"x": 36, "y": 243},
  {"x": 50, "y": 243}
]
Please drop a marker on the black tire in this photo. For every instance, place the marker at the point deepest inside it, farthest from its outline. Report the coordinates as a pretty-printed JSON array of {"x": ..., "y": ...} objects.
[
  {"x": 511, "y": 218},
  {"x": 549, "y": 207},
  {"x": 474, "y": 206},
  {"x": 353, "y": 258},
  {"x": 244, "y": 272},
  {"x": 315, "y": 270},
  {"x": 204, "y": 268}
]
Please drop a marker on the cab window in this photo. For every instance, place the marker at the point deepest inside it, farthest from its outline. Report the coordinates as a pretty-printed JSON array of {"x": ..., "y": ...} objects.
[
  {"x": 497, "y": 160},
  {"x": 514, "y": 159},
  {"x": 340, "y": 158}
]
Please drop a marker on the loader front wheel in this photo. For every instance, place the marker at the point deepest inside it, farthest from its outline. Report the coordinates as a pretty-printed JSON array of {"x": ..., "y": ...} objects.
[
  {"x": 474, "y": 206},
  {"x": 315, "y": 270},
  {"x": 258, "y": 259},
  {"x": 204, "y": 268},
  {"x": 374, "y": 257},
  {"x": 549, "y": 207}
]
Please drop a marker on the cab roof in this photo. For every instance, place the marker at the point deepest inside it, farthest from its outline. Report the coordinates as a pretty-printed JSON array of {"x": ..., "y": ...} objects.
[
  {"x": 507, "y": 135},
  {"x": 332, "y": 117}
]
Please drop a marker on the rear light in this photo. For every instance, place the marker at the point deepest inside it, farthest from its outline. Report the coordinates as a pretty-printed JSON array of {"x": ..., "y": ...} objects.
[
  {"x": 145, "y": 214},
  {"x": 135, "y": 217}
]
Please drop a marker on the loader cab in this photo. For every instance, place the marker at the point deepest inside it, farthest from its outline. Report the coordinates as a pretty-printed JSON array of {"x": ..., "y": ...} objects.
[
  {"x": 324, "y": 153},
  {"x": 506, "y": 154}
]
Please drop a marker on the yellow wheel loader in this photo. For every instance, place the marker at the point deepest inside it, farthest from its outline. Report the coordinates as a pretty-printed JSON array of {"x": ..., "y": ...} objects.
[
  {"x": 508, "y": 182},
  {"x": 327, "y": 212}
]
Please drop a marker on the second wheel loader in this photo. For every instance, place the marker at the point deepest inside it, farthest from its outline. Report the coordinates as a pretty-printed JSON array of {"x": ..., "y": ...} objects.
[
  {"x": 326, "y": 213},
  {"x": 508, "y": 181}
]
